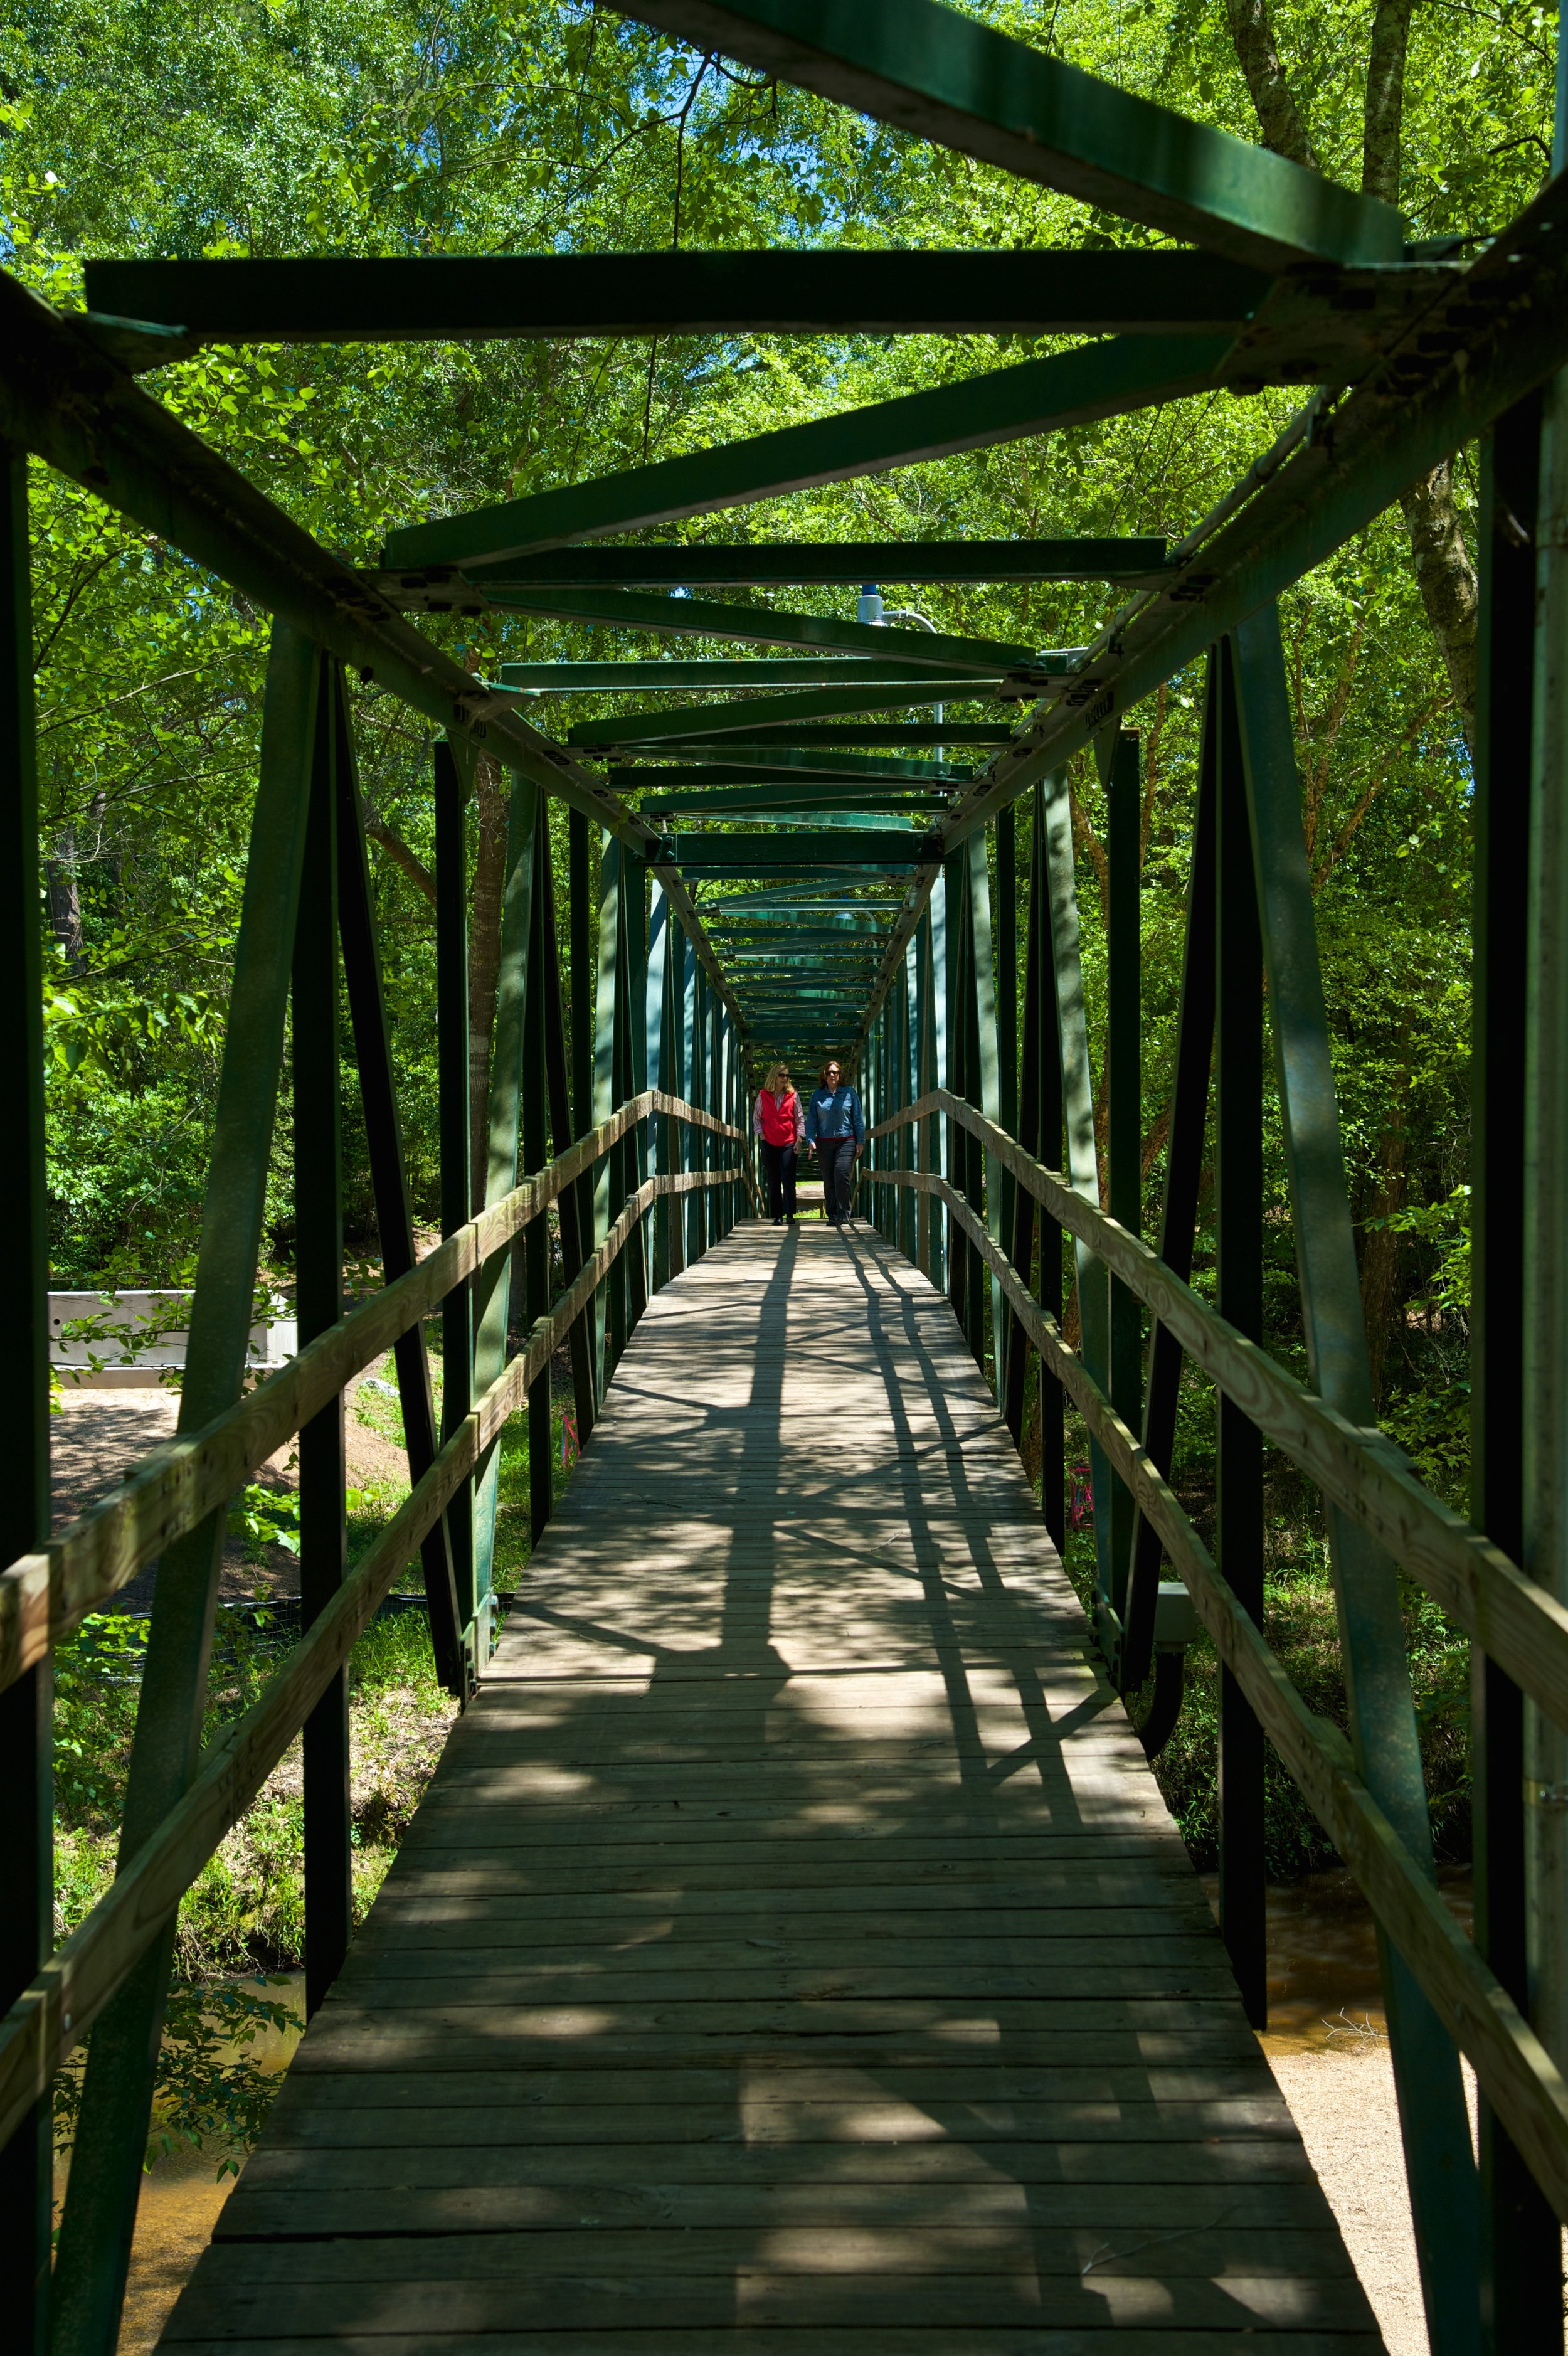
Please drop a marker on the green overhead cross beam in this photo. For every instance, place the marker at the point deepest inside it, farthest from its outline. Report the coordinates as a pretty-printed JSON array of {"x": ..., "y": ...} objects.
[
  {"x": 663, "y": 674},
  {"x": 945, "y": 77},
  {"x": 783, "y": 802},
  {"x": 973, "y": 414},
  {"x": 461, "y": 297},
  {"x": 778, "y": 564}
]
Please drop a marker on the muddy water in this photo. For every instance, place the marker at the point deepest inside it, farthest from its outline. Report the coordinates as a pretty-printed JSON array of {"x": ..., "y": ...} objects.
[{"x": 180, "y": 2199}]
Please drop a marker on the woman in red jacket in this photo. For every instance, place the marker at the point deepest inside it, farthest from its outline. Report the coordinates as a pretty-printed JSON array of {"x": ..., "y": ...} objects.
[{"x": 778, "y": 1119}]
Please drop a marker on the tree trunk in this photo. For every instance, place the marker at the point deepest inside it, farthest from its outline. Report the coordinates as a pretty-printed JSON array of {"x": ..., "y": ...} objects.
[
  {"x": 64, "y": 897},
  {"x": 1447, "y": 579},
  {"x": 1444, "y": 573},
  {"x": 490, "y": 799},
  {"x": 1257, "y": 54},
  {"x": 1380, "y": 1258}
]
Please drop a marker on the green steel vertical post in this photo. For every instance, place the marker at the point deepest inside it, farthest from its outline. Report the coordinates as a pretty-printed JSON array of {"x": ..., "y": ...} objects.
[
  {"x": 562, "y": 1128},
  {"x": 1545, "y": 1380},
  {"x": 938, "y": 1131},
  {"x": 656, "y": 1006},
  {"x": 954, "y": 998},
  {"x": 583, "y": 970},
  {"x": 536, "y": 1234},
  {"x": 1522, "y": 2243},
  {"x": 984, "y": 1093},
  {"x": 1026, "y": 1127},
  {"x": 456, "y": 1150},
  {"x": 1183, "y": 1181},
  {"x": 1124, "y": 1034},
  {"x": 1377, "y": 1674},
  {"x": 1239, "y": 1460},
  {"x": 388, "y": 1178},
  {"x": 509, "y": 1062},
  {"x": 691, "y": 1138},
  {"x": 106, "y": 2167},
  {"x": 26, "y": 1828},
  {"x": 909, "y": 1226},
  {"x": 1048, "y": 1150},
  {"x": 607, "y": 1180},
  {"x": 1077, "y": 1106},
  {"x": 998, "y": 1180},
  {"x": 634, "y": 1057},
  {"x": 318, "y": 1304}
]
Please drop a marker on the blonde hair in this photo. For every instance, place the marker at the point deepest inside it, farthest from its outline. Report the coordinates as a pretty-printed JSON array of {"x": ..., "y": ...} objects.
[{"x": 777, "y": 1073}]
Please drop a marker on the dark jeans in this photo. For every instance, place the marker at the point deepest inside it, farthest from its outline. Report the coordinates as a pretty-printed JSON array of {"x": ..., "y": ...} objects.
[
  {"x": 837, "y": 1157},
  {"x": 779, "y": 1161}
]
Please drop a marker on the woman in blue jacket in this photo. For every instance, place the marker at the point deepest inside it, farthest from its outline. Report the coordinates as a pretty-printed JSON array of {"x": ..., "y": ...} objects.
[{"x": 835, "y": 1131}]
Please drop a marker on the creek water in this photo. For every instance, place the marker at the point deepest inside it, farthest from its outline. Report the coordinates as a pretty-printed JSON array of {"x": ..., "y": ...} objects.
[{"x": 180, "y": 2199}]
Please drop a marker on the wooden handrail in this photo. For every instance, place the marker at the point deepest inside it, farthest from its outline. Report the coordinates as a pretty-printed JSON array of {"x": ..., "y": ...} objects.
[
  {"x": 1517, "y": 2075},
  {"x": 56, "y": 2010},
  {"x": 45, "y": 1595},
  {"x": 1518, "y": 1623}
]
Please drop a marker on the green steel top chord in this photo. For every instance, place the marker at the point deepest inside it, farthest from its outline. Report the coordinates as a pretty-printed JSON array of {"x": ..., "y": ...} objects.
[
  {"x": 942, "y": 76},
  {"x": 664, "y": 674},
  {"x": 457, "y": 297},
  {"x": 777, "y": 564},
  {"x": 1130, "y": 372},
  {"x": 925, "y": 652}
]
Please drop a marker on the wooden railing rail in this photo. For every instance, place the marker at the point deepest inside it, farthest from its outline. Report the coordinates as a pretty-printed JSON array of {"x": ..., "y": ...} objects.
[
  {"x": 46, "y": 1595},
  {"x": 1517, "y": 2075},
  {"x": 55, "y": 2012},
  {"x": 1516, "y": 1622}
]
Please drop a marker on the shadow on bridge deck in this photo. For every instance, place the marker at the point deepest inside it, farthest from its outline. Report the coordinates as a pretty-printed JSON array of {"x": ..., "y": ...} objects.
[{"x": 793, "y": 1953}]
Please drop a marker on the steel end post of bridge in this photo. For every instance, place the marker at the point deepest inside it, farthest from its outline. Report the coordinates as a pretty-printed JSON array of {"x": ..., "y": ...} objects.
[
  {"x": 1238, "y": 961},
  {"x": 1521, "y": 2242},
  {"x": 318, "y": 1303},
  {"x": 1439, "y": 2160},
  {"x": 452, "y": 1080},
  {"x": 102, "y": 2198},
  {"x": 27, "y": 1824},
  {"x": 1124, "y": 1038}
]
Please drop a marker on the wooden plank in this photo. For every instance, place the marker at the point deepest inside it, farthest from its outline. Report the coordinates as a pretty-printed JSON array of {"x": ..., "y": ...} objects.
[{"x": 793, "y": 1938}]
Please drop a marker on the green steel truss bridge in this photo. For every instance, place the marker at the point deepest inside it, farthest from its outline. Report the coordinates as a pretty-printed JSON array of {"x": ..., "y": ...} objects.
[{"x": 821, "y": 856}]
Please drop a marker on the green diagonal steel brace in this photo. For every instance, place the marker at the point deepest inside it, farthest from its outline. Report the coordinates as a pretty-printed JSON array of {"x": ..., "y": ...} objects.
[
  {"x": 926, "y": 653},
  {"x": 1366, "y": 1585},
  {"x": 932, "y": 72},
  {"x": 975, "y": 413},
  {"x": 709, "y": 721}
]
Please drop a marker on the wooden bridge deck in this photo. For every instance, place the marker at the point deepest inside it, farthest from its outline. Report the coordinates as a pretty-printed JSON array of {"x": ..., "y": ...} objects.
[{"x": 793, "y": 1955}]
